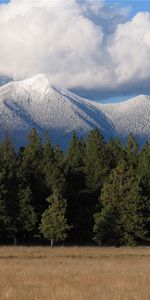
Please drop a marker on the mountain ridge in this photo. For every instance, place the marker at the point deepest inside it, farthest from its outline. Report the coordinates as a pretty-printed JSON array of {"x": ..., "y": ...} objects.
[{"x": 34, "y": 102}]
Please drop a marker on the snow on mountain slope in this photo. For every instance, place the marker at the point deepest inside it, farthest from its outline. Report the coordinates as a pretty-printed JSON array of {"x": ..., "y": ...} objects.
[
  {"x": 35, "y": 103},
  {"x": 131, "y": 116}
]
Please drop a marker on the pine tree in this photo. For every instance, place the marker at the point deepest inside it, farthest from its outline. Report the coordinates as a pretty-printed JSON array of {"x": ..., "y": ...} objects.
[
  {"x": 75, "y": 153},
  {"x": 48, "y": 163},
  {"x": 116, "y": 152},
  {"x": 8, "y": 192},
  {"x": 96, "y": 161},
  {"x": 78, "y": 209},
  {"x": 27, "y": 216},
  {"x": 54, "y": 225},
  {"x": 144, "y": 169},
  {"x": 132, "y": 151},
  {"x": 143, "y": 172},
  {"x": 59, "y": 156},
  {"x": 107, "y": 229},
  {"x": 122, "y": 207},
  {"x": 30, "y": 171},
  {"x": 54, "y": 168},
  {"x": 4, "y": 217},
  {"x": 59, "y": 173}
]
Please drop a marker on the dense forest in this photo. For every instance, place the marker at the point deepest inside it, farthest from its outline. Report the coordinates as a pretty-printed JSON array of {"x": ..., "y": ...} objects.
[{"x": 96, "y": 192}]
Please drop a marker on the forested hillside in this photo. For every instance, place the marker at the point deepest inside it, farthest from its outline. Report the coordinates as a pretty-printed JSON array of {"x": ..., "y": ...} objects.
[{"x": 95, "y": 192}]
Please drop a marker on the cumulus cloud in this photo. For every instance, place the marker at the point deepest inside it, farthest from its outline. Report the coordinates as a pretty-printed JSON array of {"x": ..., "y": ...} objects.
[
  {"x": 129, "y": 48},
  {"x": 78, "y": 44}
]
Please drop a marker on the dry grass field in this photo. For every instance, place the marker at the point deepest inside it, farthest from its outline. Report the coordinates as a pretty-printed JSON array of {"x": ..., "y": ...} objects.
[{"x": 39, "y": 273}]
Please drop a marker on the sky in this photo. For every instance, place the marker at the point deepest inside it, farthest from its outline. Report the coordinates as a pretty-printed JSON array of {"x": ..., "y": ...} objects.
[{"x": 99, "y": 49}]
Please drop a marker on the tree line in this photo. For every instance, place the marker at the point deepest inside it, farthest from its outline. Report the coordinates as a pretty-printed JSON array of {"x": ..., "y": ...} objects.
[{"x": 95, "y": 192}]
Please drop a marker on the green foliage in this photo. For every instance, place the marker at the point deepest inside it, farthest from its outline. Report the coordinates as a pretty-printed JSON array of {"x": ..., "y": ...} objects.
[
  {"x": 116, "y": 151},
  {"x": 144, "y": 169},
  {"x": 27, "y": 216},
  {"x": 30, "y": 171},
  {"x": 53, "y": 167},
  {"x": 79, "y": 211},
  {"x": 75, "y": 154},
  {"x": 96, "y": 161},
  {"x": 122, "y": 206},
  {"x": 132, "y": 151},
  {"x": 107, "y": 228},
  {"x": 106, "y": 187},
  {"x": 54, "y": 225},
  {"x": 48, "y": 163},
  {"x": 8, "y": 192}
]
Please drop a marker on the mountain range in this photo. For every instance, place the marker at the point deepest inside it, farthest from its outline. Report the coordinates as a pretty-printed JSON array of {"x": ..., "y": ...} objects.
[{"x": 34, "y": 102}]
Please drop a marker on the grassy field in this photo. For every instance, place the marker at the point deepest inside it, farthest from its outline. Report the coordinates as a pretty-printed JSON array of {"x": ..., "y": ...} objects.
[{"x": 39, "y": 273}]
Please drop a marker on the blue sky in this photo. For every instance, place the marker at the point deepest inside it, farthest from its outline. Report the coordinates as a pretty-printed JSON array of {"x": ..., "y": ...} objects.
[
  {"x": 4, "y": 1},
  {"x": 136, "y": 5}
]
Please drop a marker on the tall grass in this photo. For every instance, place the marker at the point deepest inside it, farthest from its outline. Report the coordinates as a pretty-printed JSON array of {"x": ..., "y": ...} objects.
[{"x": 40, "y": 273}]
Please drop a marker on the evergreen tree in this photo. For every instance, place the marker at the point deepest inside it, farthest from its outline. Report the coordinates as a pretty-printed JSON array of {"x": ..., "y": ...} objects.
[
  {"x": 75, "y": 153},
  {"x": 4, "y": 217},
  {"x": 144, "y": 176},
  {"x": 132, "y": 151},
  {"x": 48, "y": 163},
  {"x": 59, "y": 156},
  {"x": 118, "y": 174},
  {"x": 59, "y": 173},
  {"x": 107, "y": 229},
  {"x": 30, "y": 171},
  {"x": 96, "y": 161},
  {"x": 8, "y": 193},
  {"x": 27, "y": 216},
  {"x": 116, "y": 152},
  {"x": 54, "y": 225},
  {"x": 122, "y": 207},
  {"x": 144, "y": 169},
  {"x": 79, "y": 212},
  {"x": 54, "y": 168}
]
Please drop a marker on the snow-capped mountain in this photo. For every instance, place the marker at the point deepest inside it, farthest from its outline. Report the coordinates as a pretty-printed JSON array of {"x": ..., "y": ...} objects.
[
  {"x": 131, "y": 116},
  {"x": 35, "y": 103}
]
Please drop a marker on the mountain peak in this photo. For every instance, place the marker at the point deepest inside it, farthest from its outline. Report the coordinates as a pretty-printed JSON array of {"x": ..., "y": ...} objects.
[
  {"x": 38, "y": 77},
  {"x": 39, "y": 82},
  {"x": 34, "y": 102}
]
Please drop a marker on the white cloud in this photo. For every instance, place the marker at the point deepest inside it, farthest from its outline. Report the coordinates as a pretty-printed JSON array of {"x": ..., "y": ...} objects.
[
  {"x": 129, "y": 48},
  {"x": 78, "y": 44}
]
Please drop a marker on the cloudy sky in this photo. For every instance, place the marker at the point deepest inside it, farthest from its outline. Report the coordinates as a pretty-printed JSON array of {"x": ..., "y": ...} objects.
[{"x": 100, "y": 49}]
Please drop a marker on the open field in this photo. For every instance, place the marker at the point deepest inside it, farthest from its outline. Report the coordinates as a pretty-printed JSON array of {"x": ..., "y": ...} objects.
[{"x": 38, "y": 273}]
